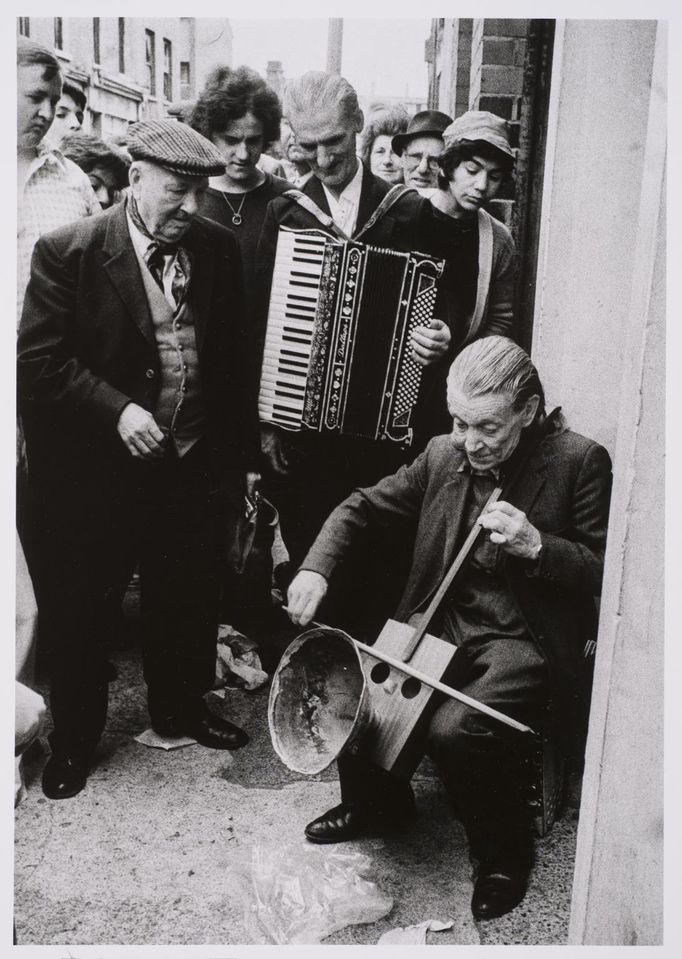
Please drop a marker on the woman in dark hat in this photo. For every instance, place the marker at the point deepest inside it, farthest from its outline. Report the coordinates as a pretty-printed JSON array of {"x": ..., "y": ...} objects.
[{"x": 376, "y": 149}]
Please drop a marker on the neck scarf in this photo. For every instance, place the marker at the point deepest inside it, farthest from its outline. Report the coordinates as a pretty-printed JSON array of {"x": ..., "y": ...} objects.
[{"x": 157, "y": 254}]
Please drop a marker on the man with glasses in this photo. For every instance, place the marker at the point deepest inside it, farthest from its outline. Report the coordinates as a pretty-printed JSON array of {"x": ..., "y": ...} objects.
[{"x": 420, "y": 147}]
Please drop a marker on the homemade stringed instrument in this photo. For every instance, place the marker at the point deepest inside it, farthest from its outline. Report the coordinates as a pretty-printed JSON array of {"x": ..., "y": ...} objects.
[{"x": 407, "y": 669}]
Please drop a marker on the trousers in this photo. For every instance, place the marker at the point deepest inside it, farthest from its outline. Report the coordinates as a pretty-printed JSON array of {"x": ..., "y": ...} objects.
[
  {"x": 167, "y": 517},
  {"x": 479, "y": 760}
]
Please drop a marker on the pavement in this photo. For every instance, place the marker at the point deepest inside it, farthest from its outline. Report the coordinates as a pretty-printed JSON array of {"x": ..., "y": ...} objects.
[{"x": 159, "y": 848}]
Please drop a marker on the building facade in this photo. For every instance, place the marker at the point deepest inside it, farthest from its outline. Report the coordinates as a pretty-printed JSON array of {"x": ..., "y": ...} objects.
[{"x": 132, "y": 68}]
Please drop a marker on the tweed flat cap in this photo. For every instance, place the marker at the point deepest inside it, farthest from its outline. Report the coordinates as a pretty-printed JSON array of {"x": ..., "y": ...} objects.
[
  {"x": 479, "y": 125},
  {"x": 174, "y": 146}
]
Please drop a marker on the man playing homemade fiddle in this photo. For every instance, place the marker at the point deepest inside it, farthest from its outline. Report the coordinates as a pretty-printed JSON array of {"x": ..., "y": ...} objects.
[{"x": 521, "y": 613}]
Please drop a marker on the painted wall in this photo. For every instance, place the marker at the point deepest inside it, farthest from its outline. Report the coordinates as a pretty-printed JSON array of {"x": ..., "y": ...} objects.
[{"x": 599, "y": 344}]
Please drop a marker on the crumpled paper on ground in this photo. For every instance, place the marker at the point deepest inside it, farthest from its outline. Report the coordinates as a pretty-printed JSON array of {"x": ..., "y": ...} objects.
[
  {"x": 237, "y": 661},
  {"x": 150, "y": 738},
  {"x": 414, "y": 935}
]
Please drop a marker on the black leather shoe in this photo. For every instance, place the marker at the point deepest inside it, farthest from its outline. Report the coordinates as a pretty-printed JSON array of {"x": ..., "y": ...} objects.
[
  {"x": 64, "y": 777},
  {"x": 498, "y": 890},
  {"x": 207, "y": 729},
  {"x": 339, "y": 824},
  {"x": 348, "y": 820}
]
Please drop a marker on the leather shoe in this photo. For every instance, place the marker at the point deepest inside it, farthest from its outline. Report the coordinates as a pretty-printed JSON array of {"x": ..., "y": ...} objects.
[
  {"x": 349, "y": 820},
  {"x": 207, "y": 729},
  {"x": 498, "y": 890},
  {"x": 64, "y": 776},
  {"x": 343, "y": 822}
]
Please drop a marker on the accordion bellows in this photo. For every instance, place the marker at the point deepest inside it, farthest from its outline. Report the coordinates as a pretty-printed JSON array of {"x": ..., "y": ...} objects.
[{"x": 337, "y": 354}]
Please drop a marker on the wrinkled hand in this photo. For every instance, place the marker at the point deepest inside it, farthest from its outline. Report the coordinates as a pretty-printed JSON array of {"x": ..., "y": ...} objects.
[
  {"x": 273, "y": 448},
  {"x": 510, "y": 528},
  {"x": 430, "y": 343},
  {"x": 252, "y": 481},
  {"x": 306, "y": 591},
  {"x": 140, "y": 433}
]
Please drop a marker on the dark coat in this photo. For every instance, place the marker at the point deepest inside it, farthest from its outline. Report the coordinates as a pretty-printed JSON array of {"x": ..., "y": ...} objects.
[
  {"x": 564, "y": 492},
  {"x": 87, "y": 348}
]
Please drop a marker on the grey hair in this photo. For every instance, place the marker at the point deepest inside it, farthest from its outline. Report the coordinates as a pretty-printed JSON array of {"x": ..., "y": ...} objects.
[
  {"x": 321, "y": 91},
  {"x": 495, "y": 364}
]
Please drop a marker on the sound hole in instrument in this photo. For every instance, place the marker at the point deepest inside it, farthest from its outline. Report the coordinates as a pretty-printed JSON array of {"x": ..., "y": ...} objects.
[
  {"x": 380, "y": 673},
  {"x": 411, "y": 687}
]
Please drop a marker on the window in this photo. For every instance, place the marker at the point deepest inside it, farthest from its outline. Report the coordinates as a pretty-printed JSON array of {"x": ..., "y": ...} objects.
[
  {"x": 95, "y": 39},
  {"x": 150, "y": 59},
  {"x": 24, "y": 26},
  {"x": 59, "y": 33},
  {"x": 167, "y": 70},
  {"x": 185, "y": 80},
  {"x": 121, "y": 45}
]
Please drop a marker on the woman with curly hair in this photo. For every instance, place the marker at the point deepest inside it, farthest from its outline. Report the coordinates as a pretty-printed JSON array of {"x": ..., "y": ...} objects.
[
  {"x": 376, "y": 152},
  {"x": 241, "y": 115}
]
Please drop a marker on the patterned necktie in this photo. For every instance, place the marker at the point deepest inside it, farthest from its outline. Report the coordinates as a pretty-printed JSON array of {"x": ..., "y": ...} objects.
[
  {"x": 155, "y": 259},
  {"x": 156, "y": 254}
]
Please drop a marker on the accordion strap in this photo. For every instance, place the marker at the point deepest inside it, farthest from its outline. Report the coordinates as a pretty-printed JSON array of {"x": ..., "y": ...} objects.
[
  {"x": 311, "y": 207},
  {"x": 393, "y": 195},
  {"x": 304, "y": 201}
]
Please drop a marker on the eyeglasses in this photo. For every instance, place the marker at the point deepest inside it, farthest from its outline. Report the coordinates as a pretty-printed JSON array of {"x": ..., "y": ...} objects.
[{"x": 414, "y": 159}]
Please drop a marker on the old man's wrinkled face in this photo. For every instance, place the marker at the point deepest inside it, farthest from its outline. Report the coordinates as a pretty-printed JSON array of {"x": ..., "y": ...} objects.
[
  {"x": 167, "y": 202},
  {"x": 488, "y": 428},
  {"x": 326, "y": 139}
]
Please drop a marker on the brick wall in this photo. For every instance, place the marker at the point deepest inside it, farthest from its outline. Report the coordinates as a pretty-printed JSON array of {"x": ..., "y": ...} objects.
[{"x": 498, "y": 48}]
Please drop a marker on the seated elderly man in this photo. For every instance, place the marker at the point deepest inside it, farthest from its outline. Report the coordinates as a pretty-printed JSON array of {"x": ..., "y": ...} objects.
[{"x": 520, "y": 614}]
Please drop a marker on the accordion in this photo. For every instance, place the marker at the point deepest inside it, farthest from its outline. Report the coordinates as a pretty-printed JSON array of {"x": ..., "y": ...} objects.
[{"x": 337, "y": 354}]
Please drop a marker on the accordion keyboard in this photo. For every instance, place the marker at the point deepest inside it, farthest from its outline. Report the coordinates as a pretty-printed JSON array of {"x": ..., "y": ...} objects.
[{"x": 293, "y": 302}]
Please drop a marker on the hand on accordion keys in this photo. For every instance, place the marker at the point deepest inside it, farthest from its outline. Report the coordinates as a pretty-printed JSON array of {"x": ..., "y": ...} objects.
[{"x": 430, "y": 343}]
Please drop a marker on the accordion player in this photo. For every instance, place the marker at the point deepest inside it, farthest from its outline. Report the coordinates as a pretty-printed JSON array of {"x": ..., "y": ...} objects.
[{"x": 337, "y": 354}]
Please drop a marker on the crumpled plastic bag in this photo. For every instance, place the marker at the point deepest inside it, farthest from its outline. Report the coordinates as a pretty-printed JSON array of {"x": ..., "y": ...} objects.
[
  {"x": 237, "y": 660},
  {"x": 300, "y": 894}
]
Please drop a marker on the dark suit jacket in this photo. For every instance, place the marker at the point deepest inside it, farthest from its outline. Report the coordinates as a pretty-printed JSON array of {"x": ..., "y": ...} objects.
[
  {"x": 564, "y": 491},
  {"x": 87, "y": 348}
]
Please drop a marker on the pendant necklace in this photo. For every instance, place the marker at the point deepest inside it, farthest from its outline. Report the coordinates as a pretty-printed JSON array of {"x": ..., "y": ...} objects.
[{"x": 236, "y": 214}]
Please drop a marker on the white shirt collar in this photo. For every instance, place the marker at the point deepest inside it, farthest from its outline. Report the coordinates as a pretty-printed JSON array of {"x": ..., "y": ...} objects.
[{"x": 344, "y": 210}]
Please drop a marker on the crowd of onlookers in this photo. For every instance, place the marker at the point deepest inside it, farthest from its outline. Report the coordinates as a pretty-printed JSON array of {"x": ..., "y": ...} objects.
[
  {"x": 149, "y": 283},
  {"x": 66, "y": 173}
]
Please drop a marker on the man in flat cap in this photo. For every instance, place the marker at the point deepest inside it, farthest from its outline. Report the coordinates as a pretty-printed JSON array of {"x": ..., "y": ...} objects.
[{"x": 140, "y": 417}]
